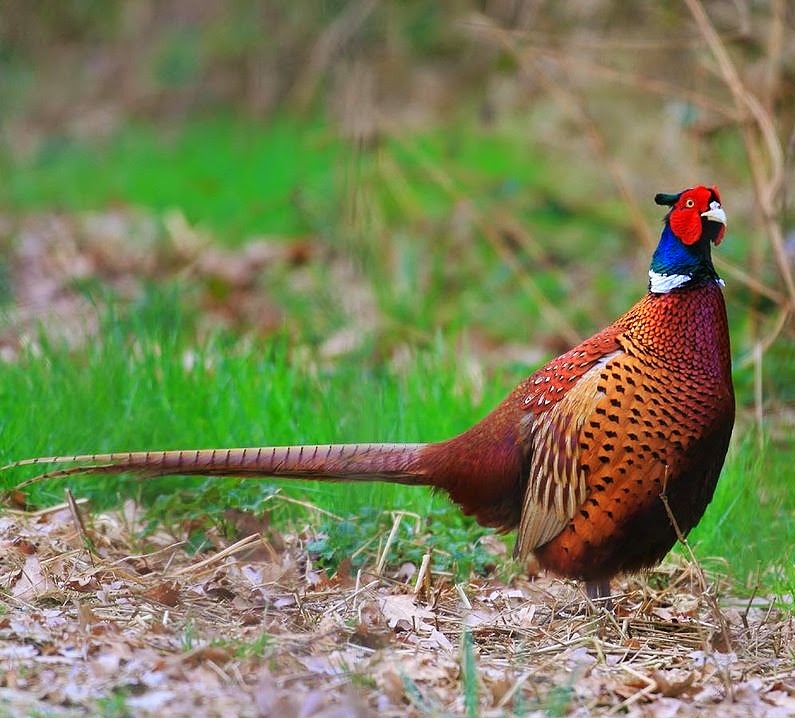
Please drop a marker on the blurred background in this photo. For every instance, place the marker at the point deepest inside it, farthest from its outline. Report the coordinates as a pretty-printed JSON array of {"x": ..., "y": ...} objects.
[{"x": 366, "y": 180}]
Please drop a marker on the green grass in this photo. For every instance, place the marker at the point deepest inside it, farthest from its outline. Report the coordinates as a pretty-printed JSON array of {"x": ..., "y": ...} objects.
[
  {"x": 240, "y": 179},
  {"x": 469, "y": 675},
  {"x": 749, "y": 525},
  {"x": 250, "y": 182}
]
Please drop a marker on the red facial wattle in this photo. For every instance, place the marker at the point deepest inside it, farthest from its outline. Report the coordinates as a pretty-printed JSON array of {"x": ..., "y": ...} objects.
[
  {"x": 691, "y": 207},
  {"x": 686, "y": 225}
]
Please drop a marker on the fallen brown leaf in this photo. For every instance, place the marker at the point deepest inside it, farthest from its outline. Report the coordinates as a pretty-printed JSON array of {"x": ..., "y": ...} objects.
[{"x": 165, "y": 592}]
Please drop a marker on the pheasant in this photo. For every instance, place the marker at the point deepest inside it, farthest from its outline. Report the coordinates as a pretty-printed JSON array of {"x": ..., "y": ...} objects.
[{"x": 600, "y": 458}]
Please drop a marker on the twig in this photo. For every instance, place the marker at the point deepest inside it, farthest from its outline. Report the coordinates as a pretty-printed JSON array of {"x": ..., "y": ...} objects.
[
  {"x": 781, "y": 322},
  {"x": 45, "y": 511},
  {"x": 356, "y": 588},
  {"x": 398, "y": 517},
  {"x": 336, "y": 34},
  {"x": 775, "y": 48},
  {"x": 651, "y": 687},
  {"x": 74, "y": 509},
  {"x": 149, "y": 554},
  {"x": 459, "y": 589},
  {"x": 279, "y": 496},
  {"x": 511, "y": 692},
  {"x": 217, "y": 557},
  {"x": 759, "y": 405},
  {"x": 755, "y": 285},
  {"x": 646, "y": 84},
  {"x": 768, "y": 189},
  {"x": 423, "y": 575}
]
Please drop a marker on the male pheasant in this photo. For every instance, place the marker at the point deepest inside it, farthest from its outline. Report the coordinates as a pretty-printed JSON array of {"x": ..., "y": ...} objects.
[{"x": 584, "y": 454}]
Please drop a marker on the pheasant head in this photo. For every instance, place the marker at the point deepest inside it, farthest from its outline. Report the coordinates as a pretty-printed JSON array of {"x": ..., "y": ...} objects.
[{"x": 696, "y": 221}]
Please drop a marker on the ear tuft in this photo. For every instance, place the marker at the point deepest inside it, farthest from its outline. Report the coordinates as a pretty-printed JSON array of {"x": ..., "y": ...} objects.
[{"x": 667, "y": 199}]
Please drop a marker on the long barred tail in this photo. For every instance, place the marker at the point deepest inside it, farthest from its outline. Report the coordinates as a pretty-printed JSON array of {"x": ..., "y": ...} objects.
[{"x": 395, "y": 463}]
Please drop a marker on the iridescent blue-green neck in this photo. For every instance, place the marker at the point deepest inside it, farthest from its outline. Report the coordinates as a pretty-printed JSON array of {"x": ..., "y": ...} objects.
[{"x": 675, "y": 264}]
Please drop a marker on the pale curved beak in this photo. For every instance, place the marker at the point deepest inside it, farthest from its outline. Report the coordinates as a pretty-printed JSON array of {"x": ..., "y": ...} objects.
[{"x": 715, "y": 213}]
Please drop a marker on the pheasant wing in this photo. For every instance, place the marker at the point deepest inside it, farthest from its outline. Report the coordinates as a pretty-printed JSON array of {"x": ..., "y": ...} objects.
[
  {"x": 557, "y": 484},
  {"x": 560, "y": 399}
]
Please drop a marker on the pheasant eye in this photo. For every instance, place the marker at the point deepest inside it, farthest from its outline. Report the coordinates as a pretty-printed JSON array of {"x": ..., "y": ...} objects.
[{"x": 690, "y": 203}]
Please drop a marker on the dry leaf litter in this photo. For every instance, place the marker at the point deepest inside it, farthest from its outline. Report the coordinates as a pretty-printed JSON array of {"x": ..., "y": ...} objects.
[{"x": 251, "y": 628}]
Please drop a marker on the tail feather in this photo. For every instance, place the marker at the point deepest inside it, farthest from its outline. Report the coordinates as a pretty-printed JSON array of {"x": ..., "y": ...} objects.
[{"x": 395, "y": 463}]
